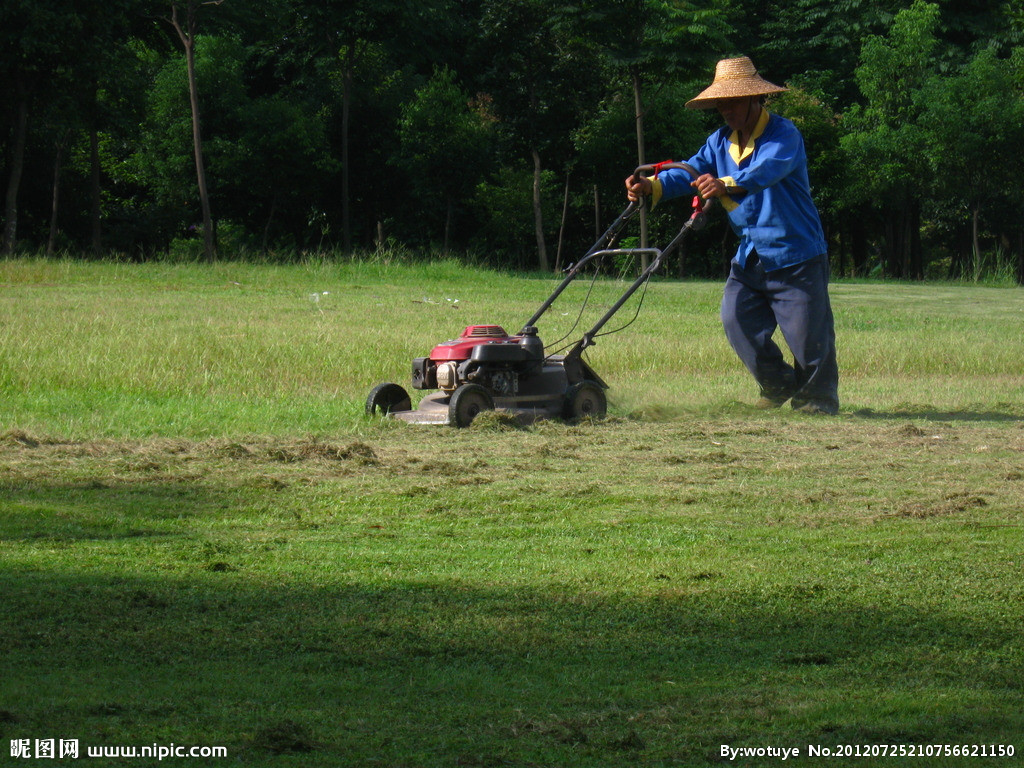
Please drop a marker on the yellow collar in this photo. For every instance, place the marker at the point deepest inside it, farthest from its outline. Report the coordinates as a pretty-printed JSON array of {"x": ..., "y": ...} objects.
[{"x": 740, "y": 154}]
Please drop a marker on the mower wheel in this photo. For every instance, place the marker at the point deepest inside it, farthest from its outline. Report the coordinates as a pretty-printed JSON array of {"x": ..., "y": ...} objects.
[
  {"x": 584, "y": 399},
  {"x": 466, "y": 402},
  {"x": 387, "y": 398}
]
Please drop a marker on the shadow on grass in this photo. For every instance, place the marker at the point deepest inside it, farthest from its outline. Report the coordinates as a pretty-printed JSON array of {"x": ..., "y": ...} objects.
[
  {"x": 102, "y": 510},
  {"x": 932, "y": 414},
  {"x": 127, "y": 620},
  {"x": 416, "y": 670}
]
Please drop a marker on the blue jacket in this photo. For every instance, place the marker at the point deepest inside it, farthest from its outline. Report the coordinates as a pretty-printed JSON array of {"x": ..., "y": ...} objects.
[{"x": 776, "y": 217}]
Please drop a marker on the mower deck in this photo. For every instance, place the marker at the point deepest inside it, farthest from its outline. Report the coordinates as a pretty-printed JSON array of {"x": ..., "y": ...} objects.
[
  {"x": 434, "y": 409},
  {"x": 540, "y": 396}
]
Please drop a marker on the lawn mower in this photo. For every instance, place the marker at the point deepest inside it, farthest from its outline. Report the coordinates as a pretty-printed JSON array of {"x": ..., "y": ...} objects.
[{"x": 487, "y": 369}]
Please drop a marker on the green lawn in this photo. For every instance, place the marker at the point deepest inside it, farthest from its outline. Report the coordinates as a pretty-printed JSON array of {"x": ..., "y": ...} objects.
[{"x": 203, "y": 541}]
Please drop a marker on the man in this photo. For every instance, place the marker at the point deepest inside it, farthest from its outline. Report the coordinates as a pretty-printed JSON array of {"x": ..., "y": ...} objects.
[{"x": 757, "y": 168}]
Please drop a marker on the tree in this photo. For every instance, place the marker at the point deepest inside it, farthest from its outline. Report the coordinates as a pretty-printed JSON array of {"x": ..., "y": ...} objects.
[
  {"x": 187, "y": 34},
  {"x": 649, "y": 44},
  {"x": 818, "y": 39},
  {"x": 338, "y": 36},
  {"x": 907, "y": 115},
  {"x": 528, "y": 87},
  {"x": 884, "y": 168},
  {"x": 265, "y": 154},
  {"x": 39, "y": 44},
  {"x": 974, "y": 123},
  {"x": 165, "y": 158},
  {"x": 443, "y": 142}
]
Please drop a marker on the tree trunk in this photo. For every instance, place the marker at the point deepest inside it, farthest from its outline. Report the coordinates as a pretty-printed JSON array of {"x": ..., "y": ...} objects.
[
  {"x": 903, "y": 246},
  {"x": 14, "y": 179},
  {"x": 975, "y": 240},
  {"x": 858, "y": 246},
  {"x": 638, "y": 110},
  {"x": 900, "y": 242},
  {"x": 903, "y": 241},
  {"x": 94, "y": 161},
  {"x": 447, "y": 224},
  {"x": 51, "y": 242},
  {"x": 188, "y": 36},
  {"x": 961, "y": 248},
  {"x": 538, "y": 218},
  {"x": 1020, "y": 257},
  {"x": 561, "y": 226},
  {"x": 889, "y": 258},
  {"x": 266, "y": 227},
  {"x": 346, "y": 105},
  {"x": 197, "y": 141},
  {"x": 914, "y": 257},
  {"x": 841, "y": 240}
]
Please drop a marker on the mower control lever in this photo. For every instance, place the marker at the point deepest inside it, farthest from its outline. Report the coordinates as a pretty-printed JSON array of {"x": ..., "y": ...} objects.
[
  {"x": 655, "y": 168},
  {"x": 649, "y": 171},
  {"x": 656, "y": 252},
  {"x": 574, "y": 269},
  {"x": 652, "y": 170},
  {"x": 609, "y": 235}
]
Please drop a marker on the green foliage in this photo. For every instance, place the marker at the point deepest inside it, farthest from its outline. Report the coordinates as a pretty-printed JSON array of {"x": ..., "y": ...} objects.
[
  {"x": 301, "y": 105},
  {"x": 443, "y": 147},
  {"x": 671, "y": 131},
  {"x": 980, "y": 111},
  {"x": 438, "y": 125},
  {"x": 543, "y": 81},
  {"x": 907, "y": 49},
  {"x": 41, "y": 37},
  {"x": 929, "y": 133},
  {"x": 261, "y": 151},
  {"x": 165, "y": 156},
  {"x": 883, "y": 170},
  {"x": 663, "y": 38},
  {"x": 503, "y": 203}
]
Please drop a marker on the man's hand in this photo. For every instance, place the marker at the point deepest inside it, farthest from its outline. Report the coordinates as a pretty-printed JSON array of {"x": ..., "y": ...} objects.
[
  {"x": 637, "y": 187},
  {"x": 708, "y": 186}
]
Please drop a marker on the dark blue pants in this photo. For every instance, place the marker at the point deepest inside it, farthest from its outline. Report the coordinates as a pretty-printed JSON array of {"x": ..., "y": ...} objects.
[{"x": 795, "y": 300}]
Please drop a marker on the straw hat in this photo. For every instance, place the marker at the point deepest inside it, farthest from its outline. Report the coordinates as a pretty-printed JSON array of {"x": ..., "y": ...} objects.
[{"x": 734, "y": 78}]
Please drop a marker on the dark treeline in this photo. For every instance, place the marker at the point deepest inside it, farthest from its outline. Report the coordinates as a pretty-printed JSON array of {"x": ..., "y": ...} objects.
[{"x": 501, "y": 129}]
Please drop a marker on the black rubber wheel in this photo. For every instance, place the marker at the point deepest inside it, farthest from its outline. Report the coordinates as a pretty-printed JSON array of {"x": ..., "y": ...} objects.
[
  {"x": 585, "y": 399},
  {"x": 387, "y": 398},
  {"x": 467, "y": 401}
]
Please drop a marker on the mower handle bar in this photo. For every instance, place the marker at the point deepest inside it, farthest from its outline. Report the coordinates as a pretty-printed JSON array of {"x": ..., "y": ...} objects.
[
  {"x": 609, "y": 234},
  {"x": 655, "y": 168},
  {"x": 595, "y": 250},
  {"x": 669, "y": 165},
  {"x": 656, "y": 252},
  {"x": 696, "y": 221}
]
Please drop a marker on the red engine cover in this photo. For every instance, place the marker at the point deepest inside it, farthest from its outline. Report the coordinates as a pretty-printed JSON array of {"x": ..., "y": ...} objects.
[{"x": 474, "y": 335}]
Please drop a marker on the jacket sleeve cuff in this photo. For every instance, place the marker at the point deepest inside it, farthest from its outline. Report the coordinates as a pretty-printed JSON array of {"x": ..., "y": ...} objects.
[{"x": 726, "y": 200}]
